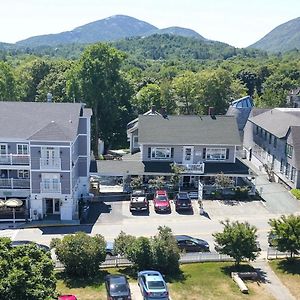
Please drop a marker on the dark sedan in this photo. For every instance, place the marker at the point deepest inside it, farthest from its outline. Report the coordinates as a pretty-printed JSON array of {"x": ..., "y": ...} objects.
[
  {"x": 117, "y": 287},
  {"x": 189, "y": 244},
  {"x": 20, "y": 243}
]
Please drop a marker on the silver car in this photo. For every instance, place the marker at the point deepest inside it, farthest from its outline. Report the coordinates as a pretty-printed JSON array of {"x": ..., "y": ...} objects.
[{"x": 152, "y": 285}]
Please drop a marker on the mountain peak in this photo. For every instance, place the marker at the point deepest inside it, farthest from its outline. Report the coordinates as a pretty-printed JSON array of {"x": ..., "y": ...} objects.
[
  {"x": 112, "y": 28},
  {"x": 283, "y": 38}
]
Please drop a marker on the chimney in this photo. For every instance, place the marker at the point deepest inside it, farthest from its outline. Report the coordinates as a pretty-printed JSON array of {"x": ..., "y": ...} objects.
[
  {"x": 163, "y": 112},
  {"x": 49, "y": 97},
  {"x": 211, "y": 111},
  {"x": 153, "y": 109}
]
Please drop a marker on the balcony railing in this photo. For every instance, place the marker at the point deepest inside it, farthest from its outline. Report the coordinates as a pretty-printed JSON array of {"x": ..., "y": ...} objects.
[
  {"x": 192, "y": 168},
  {"x": 50, "y": 187},
  {"x": 14, "y": 159},
  {"x": 50, "y": 163},
  {"x": 12, "y": 183}
]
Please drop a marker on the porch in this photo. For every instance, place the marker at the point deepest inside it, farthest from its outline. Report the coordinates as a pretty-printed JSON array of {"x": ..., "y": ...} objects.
[{"x": 14, "y": 159}]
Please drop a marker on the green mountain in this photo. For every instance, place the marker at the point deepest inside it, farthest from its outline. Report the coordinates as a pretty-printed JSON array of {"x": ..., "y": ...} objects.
[
  {"x": 283, "y": 38},
  {"x": 109, "y": 29},
  {"x": 178, "y": 31}
]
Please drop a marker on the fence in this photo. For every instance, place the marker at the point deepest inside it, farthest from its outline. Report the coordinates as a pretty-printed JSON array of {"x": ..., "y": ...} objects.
[
  {"x": 114, "y": 261},
  {"x": 273, "y": 253}
]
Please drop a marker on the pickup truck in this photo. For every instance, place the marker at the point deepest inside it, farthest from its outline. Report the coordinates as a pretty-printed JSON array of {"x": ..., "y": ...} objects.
[{"x": 138, "y": 201}]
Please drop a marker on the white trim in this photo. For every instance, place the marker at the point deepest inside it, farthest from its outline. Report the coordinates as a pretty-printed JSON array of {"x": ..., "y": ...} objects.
[
  {"x": 46, "y": 141},
  {"x": 6, "y": 147},
  {"x": 214, "y": 149},
  {"x": 154, "y": 149},
  {"x": 184, "y": 160},
  {"x": 17, "y": 148},
  {"x": 49, "y": 145},
  {"x": 194, "y": 144}
]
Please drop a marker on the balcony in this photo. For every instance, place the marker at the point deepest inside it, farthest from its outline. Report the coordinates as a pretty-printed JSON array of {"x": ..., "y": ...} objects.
[
  {"x": 192, "y": 168},
  {"x": 14, "y": 159},
  {"x": 51, "y": 187},
  {"x": 50, "y": 163},
  {"x": 12, "y": 183}
]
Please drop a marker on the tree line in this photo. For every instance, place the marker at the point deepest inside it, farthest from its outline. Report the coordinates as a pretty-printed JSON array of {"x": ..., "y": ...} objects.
[{"x": 118, "y": 85}]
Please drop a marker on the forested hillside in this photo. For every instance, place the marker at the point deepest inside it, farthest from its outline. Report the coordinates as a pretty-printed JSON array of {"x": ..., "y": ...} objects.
[{"x": 184, "y": 75}]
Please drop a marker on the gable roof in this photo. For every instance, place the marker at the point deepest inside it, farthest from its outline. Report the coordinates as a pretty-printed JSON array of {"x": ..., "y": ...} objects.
[
  {"x": 188, "y": 130},
  {"x": 39, "y": 120},
  {"x": 278, "y": 120}
]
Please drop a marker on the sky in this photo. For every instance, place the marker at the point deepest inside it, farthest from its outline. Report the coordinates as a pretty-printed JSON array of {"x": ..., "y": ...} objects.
[{"x": 239, "y": 23}]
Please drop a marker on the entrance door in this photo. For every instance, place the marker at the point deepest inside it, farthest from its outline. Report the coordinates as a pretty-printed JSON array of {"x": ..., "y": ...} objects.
[
  {"x": 52, "y": 206},
  {"x": 188, "y": 155}
]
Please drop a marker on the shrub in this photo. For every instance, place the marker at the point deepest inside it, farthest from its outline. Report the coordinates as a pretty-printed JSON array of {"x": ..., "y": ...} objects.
[
  {"x": 80, "y": 253},
  {"x": 296, "y": 193}
]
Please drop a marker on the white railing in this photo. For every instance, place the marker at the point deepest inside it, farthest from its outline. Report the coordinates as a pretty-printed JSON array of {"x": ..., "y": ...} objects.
[
  {"x": 192, "y": 168},
  {"x": 14, "y": 159},
  {"x": 12, "y": 183},
  {"x": 50, "y": 163},
  {"x": 50, "y": 187}
]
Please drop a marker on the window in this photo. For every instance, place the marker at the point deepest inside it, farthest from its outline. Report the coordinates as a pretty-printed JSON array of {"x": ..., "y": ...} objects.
[
  {"x": 265, "y": 135},
  {"x": 270, "y": 138},
  {"x": 216, "y": 153},
  {"x": 287, "y": 170},
  {"x": 135, "y": 141},
  {"x": 293, "y": 174},
  {"x": 281, "y": 166},
  {"x": 22, "y": 149},
  {"x": 23, "y": 174},
  {"x": 3, "y": 149},
  {"x": 261, "y": 132},
  {"x": 257, "y": 130},
  {"x": 275, "y": 141},
  {"x": 289, "y": 150},
  {"x": 161, "y": 153}
]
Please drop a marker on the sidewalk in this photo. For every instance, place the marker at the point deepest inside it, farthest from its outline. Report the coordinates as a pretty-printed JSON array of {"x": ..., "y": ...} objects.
[
  {"x": 273, "y": 284},
  {"x": 278, "y": 199}
]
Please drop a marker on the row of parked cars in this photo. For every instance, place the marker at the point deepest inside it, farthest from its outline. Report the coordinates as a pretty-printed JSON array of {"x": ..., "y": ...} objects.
[
  {"x": 161, "y": 202},
  {"x": 152, "y": 286}
]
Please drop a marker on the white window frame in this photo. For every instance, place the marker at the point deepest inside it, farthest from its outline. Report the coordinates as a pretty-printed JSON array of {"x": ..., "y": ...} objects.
[
  {"x": 155, "y": 150},
  {"x": 215, "y": 153},
  {"x": 135, "y": 141},
  {"x": 23, "y": 174},
  {"x": 24, "y": 149},
  {"x": 6, "y": 149}
]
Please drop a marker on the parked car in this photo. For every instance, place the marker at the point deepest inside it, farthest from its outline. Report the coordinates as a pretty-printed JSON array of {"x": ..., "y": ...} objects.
[
  {"x": 152, "y": 285},
  {"x": 182, "y": 201},
  {"x": 110, "y": 249},
  {"x": 190, "y": 244},
  {"x": 138, "y": 201},
  {"x": 117, "y": 287},
  {"x": 272, "y": 239},
  {"x": 20, "y": 243},
  {"x": 161, "y": 201},
  {"x": 67, "y": 297}
]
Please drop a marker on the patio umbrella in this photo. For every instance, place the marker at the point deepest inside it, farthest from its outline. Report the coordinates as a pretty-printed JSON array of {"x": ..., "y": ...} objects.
[
  {"x": 13, "y": 203},
  {"x": 2, "y": 203}
]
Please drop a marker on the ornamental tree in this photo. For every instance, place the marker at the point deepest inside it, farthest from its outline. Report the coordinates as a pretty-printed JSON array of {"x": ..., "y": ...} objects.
[{"x": 238, "y": 240}]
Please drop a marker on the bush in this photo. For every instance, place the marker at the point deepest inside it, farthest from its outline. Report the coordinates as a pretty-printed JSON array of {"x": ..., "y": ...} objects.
[
  {"x": 296, "y": 193},
  {"x": 80, "y": 253},
  {"x": 26, "y": 272},
  {"x": 160, "y": 252}
]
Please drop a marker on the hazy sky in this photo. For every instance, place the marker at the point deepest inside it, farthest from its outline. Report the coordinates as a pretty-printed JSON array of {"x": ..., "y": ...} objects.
[{"x": 236, "y": 22}]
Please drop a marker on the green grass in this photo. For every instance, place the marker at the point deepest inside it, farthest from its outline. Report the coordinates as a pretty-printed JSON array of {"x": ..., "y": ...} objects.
[
  {"x": 288, "y": 272},
  {"x": 296, "y": 193},
  {"x": 195, "y": 282}
]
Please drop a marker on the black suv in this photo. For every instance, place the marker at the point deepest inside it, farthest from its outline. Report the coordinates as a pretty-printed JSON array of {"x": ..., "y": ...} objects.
[
  {"x": 182, "y": 201},
  {"x": 117, "y": 287}
]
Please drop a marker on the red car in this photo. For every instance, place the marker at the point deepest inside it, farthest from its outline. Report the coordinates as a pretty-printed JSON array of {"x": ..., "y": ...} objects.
[
  {"x": 67, "y": 297},
  {"x": 161, "y": 202}
]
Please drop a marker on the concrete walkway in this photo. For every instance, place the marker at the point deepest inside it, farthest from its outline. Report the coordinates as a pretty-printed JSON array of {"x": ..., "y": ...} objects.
[
  {"x": 278, "y": 199},
  {"x": 274, "y": 285}
]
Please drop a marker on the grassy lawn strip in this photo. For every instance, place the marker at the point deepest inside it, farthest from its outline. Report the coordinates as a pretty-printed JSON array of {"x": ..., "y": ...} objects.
[
  {"x": 289, "y": 273},
  {"x": 196, "y": 281}
]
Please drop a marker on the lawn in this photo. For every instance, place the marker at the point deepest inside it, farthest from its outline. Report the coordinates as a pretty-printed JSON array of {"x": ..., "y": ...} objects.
[
  {"x": 289, "y": 274},
  {"x": 196, "y": 281}
]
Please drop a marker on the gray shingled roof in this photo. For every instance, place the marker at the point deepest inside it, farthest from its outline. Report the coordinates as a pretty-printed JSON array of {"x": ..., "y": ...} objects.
[
  {"x": 278, "y": 120},
  {"x": 39, "y": 120},
  {"x": 188, "y": 130}
]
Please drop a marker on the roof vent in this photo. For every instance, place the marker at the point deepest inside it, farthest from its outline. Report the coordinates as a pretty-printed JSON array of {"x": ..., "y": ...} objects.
[{"x": 49, "y": 97}]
